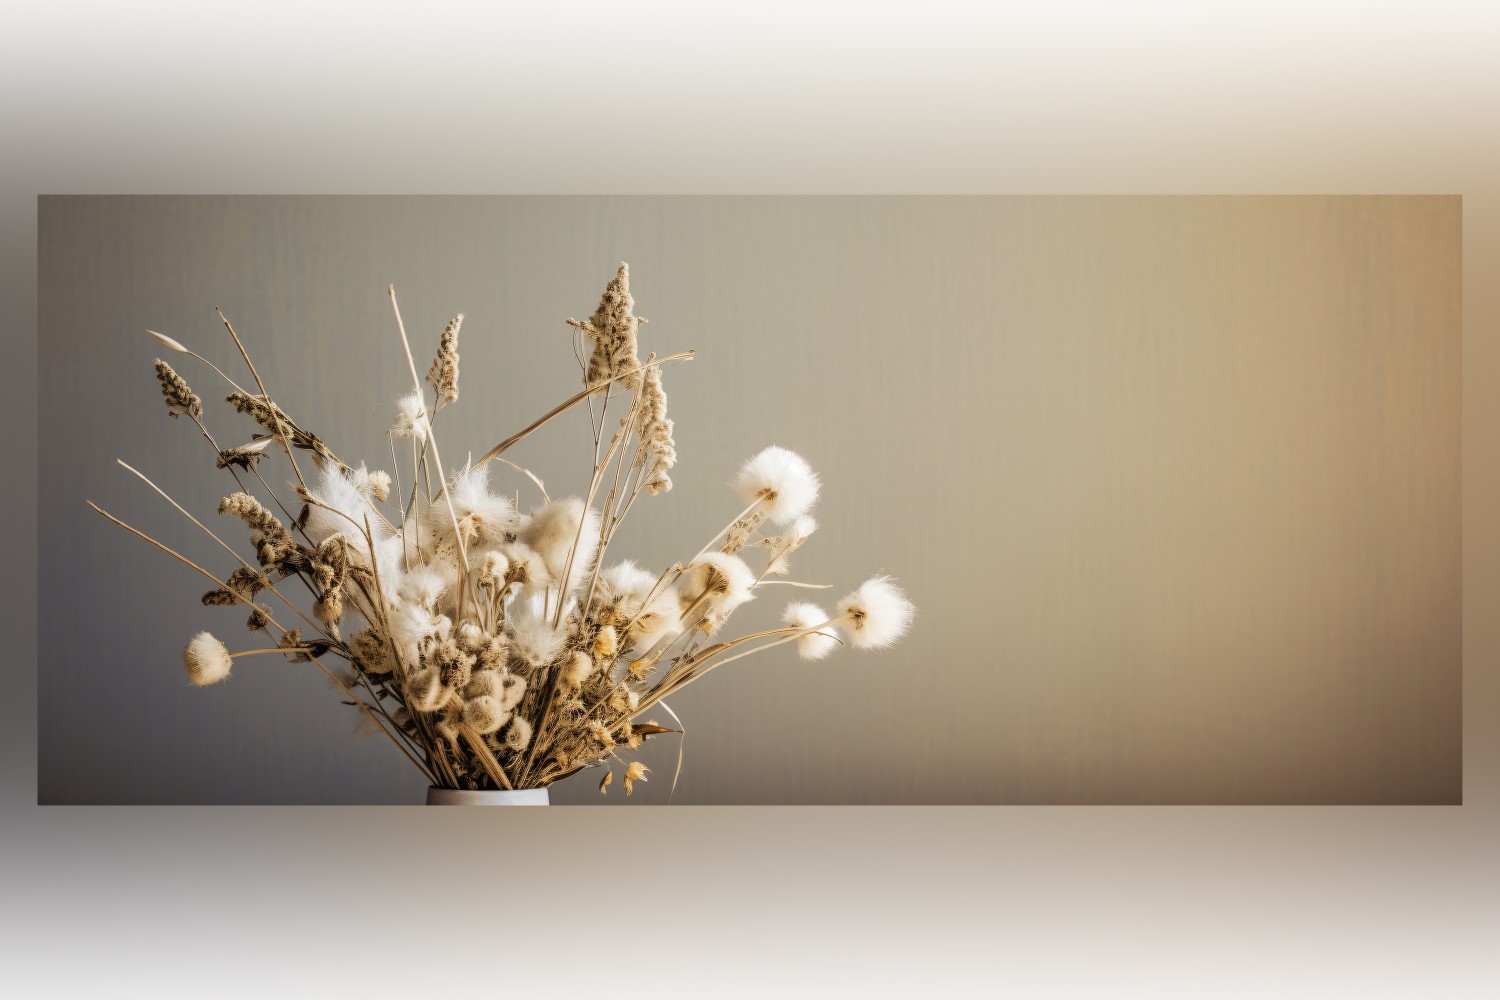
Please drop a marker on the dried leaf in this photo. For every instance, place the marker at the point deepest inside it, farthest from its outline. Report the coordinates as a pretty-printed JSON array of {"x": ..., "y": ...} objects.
[
  {"x": 604, "y": 781},
  {"x": 651, "y": 729}
]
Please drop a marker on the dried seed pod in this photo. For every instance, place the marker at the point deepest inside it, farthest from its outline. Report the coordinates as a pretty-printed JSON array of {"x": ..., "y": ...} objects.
[{"x": 180, "y": 399}]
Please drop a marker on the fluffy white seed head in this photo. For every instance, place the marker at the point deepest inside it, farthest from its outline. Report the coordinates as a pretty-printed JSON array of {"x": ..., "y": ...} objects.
[
  {"x": 527, "y": 566},
  {"x": 518, "y": 733},
  {"x": 798, "y": 532},
  {"x": 512, "y": 689},
  {"x": 350, "y": 507},
  {"x": 409, "y": 420},
  {"x": 425, "y": 691},
  {"x": 494, "y": 568},
  {"x": 784, "y": 483},
  {"x": 718, "y": 583},
  {"x": 801, "y": 529},
  {"x": 207, "y": 660},
  {"x": 415, "y": 628},
  {"x": 533, "y": 639},
  {"x": 424, "y": 586},
  {"x": 375, "y": 485},
  {"x": 661, "y": 618},
  {"x": 606, "y": 644},
  {"x": 389, "y": 562},
  {"x": 485, "y": 715},
  {"x": 576, "y": 670},
  {"x": 483, "y": 684},
  {"x": 814, "y": 645},
  {"x": 879, "y": 613},
  {"x": 485, "y": 518},
  {"x": 628, "y": 584},
  {"x": 550, "y": 531}
]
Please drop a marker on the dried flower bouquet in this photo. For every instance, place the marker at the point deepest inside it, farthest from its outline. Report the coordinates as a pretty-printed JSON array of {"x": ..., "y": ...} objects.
[{"x": 494, "y": 648}]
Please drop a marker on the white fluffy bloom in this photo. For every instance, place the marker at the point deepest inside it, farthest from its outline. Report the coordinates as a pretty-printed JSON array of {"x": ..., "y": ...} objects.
[
  {"x": 494, "y": 568},
  {"x": 410, "y": 421},
  {"x": 207, "y": 660},
  {"x": 784, "y": 483},
  {"x": 721, "y": 582},
  {"x": 628, "y": 584},
  {"x": 662, "y": 618},
  {"x": 627, "y": 580},
  {"x": 527, "y": 566},
  {"x": 550, "y": 531},
  {"x": 813, "y": 645},
  {"x": 576, "y": 670},
  {"x": 484, "y": 518},
  {"x": 518, "y": 733},
  {"x": 534, "y": 640},
  {"x": 485, "y": 715},
  {"x": 423, "y": 586},
  {"x": 413, "y": 625},
  {"x": 388, "y": 561},
  {"x": 878, "y": 613},
  {"x": 350, "y": 508},
  {"x": 376, "y": 485},
  {"x": 800, "y": 531}
]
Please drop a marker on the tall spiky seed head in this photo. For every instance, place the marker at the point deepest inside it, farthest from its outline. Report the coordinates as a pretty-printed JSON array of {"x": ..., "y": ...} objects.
[
  {"x": 180, "y": 399},
  {"x": 614, "y": 328},
  {"x": 443, "y": 375}
]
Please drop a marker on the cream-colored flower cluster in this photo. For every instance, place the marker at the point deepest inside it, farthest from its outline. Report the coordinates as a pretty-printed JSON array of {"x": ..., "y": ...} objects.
[{"x": 492, "y": 645}]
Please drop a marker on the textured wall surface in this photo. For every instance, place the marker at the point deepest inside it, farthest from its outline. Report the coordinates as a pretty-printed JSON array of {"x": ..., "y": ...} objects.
[{"x": 1174, "y": 482}]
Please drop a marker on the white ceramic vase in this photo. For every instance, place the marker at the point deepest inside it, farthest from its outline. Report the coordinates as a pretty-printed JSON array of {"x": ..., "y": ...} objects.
[{"x": 460, "y": 797}]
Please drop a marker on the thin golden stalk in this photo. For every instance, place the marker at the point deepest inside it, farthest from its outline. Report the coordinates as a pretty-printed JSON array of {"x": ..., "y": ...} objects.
[
  {"x": 400, "y": 667},
  {"x": 273, "y": 649},
  {"x": 396, "y": 470},
  {"x": 331, "y": 675},
  {"x": 621, "y": 435},
  {"x": 174, "y": 345},
  {"x": 792, "y": 583},
  {"x": 606, "y": 526},
  {"x": 463, "y": 554},
  {"x": 281, "y": 435},
  {"x": 720, "y": 533},
  {"x": 529, "y": 475},
  {"x": 227, "y": 548},
  {"x": 691, "y": 674},
  {"x": 568, "y": 404}
]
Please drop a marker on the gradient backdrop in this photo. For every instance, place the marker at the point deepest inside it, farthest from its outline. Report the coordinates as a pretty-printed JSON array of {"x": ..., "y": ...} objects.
[
  {"x": 785, "y": 98},
  {"x": 1174, "y": 481}
]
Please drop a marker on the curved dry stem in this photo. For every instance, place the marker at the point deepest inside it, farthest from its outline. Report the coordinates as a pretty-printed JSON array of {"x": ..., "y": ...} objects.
[{"x": 569, "y": 403}]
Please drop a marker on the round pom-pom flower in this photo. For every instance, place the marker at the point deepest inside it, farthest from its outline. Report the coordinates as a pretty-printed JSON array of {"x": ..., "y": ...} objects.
[
  {"x": 207, "y": 660},
  {"x": 877, "y": 614},
  {"x": 782, "y": 481}
]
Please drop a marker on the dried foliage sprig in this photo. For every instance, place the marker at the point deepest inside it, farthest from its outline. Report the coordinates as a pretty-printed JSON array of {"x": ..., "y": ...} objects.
[{"x": 495, "y": 648}]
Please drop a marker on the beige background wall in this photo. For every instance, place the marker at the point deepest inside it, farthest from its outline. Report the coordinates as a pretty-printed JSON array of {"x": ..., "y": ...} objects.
[{"x": 1174, "y": 482}]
